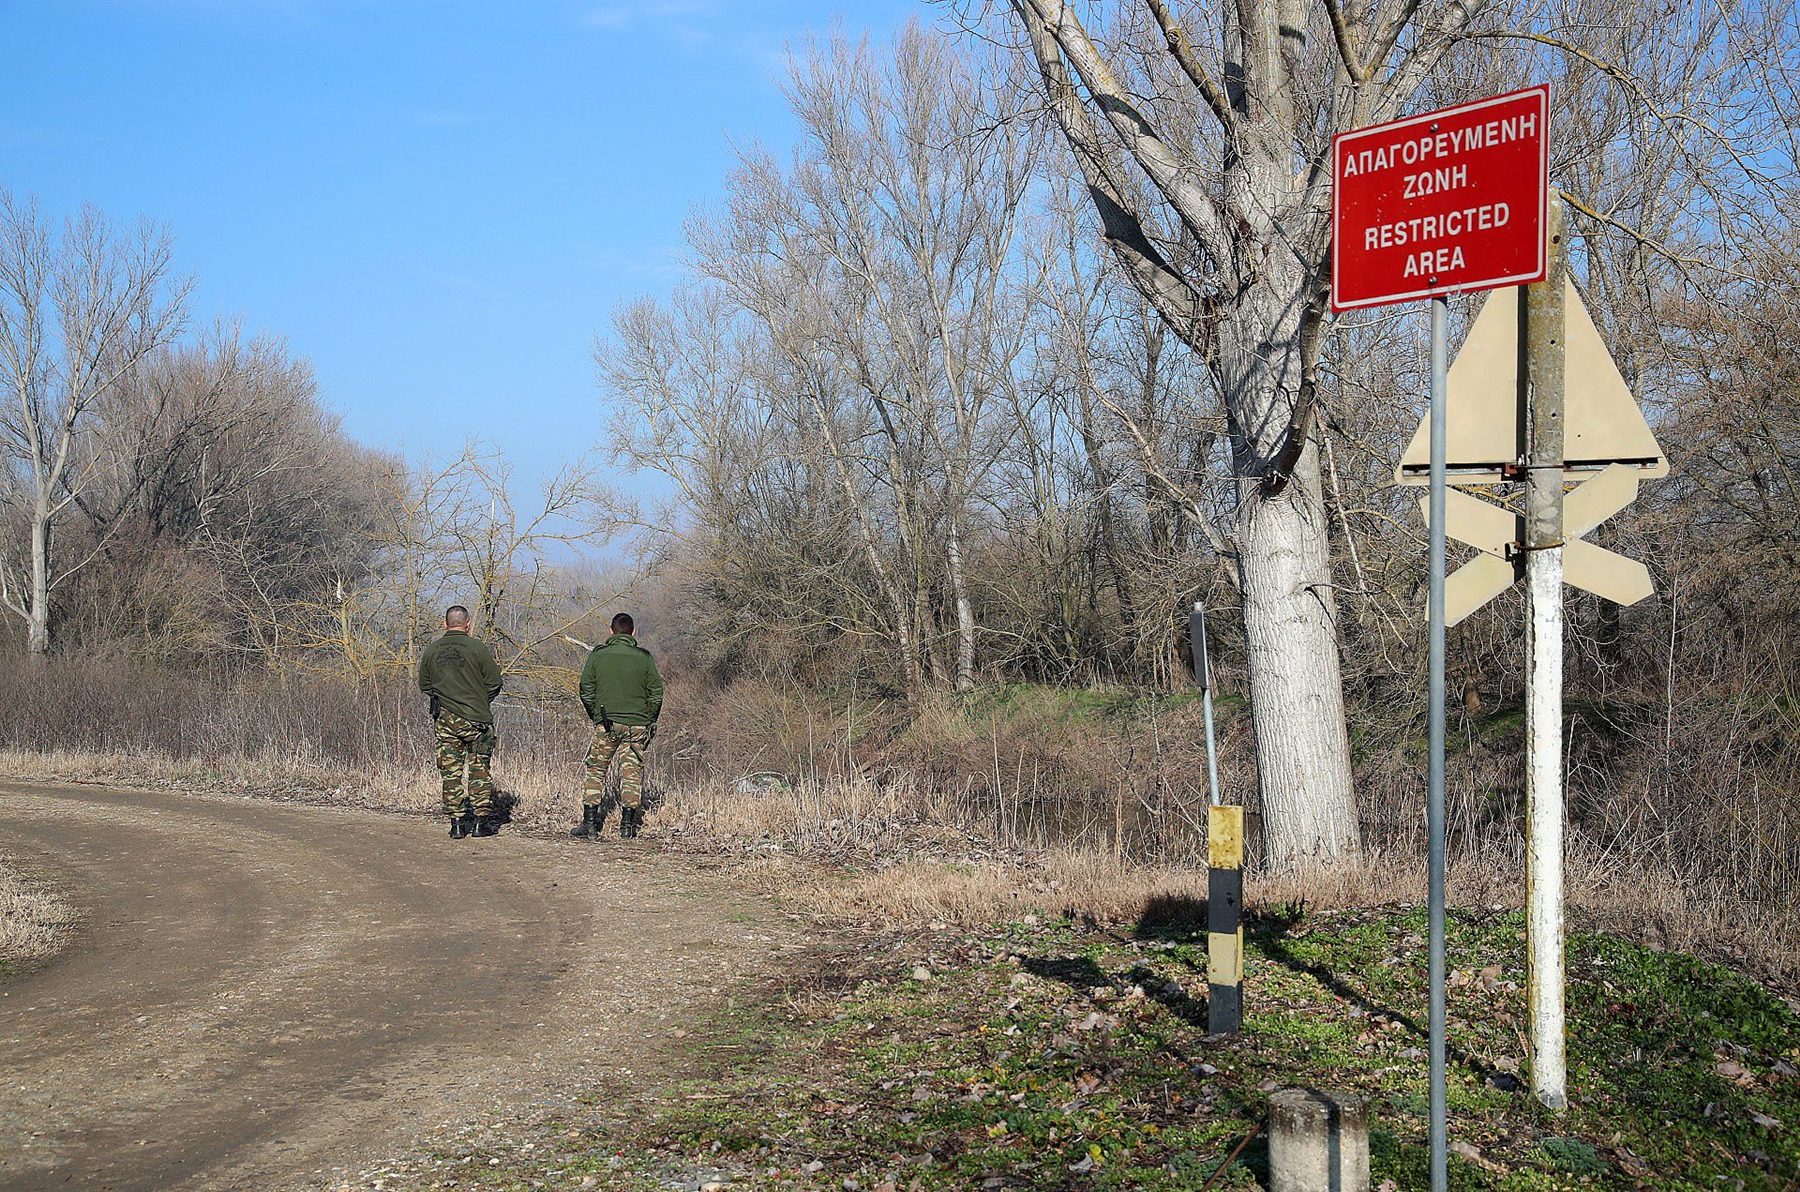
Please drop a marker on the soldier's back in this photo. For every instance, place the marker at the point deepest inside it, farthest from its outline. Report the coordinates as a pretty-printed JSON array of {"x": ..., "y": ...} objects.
[{"x": 458, "y": 668}]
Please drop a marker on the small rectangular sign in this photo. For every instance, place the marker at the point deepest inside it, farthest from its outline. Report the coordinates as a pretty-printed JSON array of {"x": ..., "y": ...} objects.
[
  {"x": 1197, "y": 639},
  {"x": 1450, "y": 201}
]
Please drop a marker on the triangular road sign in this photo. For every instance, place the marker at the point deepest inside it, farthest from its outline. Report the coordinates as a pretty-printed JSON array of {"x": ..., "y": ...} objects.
[{"x": 1484, "y": 428}]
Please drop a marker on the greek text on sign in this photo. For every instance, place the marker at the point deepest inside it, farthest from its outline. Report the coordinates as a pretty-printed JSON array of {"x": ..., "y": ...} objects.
[{"x": 1451, "y": 200}]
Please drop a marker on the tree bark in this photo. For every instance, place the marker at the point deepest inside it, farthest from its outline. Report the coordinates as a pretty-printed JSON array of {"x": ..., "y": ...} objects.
[
  {"x": 37, "y": 610},
  {"x": 1296, "y": 691},
  {"x": 965, "y": 614},
  {"x": 1284, "y": 565}
]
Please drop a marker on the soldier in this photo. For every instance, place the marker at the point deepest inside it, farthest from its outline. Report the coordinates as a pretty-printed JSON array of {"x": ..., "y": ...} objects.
[
  {"x": 460, "y": 675},
  {"x": 623, "y": 696}
]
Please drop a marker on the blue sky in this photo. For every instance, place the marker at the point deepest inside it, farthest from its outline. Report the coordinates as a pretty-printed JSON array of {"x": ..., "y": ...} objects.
[{"x": 438, "y": 202}]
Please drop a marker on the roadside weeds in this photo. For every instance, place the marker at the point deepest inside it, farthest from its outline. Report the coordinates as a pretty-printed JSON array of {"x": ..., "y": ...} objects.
[{"x": 36, "y": 922}]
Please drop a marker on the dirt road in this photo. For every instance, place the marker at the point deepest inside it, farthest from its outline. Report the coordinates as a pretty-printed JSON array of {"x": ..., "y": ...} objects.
[{"x": 263, "y": 994}]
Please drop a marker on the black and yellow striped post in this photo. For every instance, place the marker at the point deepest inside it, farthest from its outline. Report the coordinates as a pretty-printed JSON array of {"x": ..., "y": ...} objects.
[
  {"x": 1225, "y": 861},
  {"x": 1224, "y": 919}
]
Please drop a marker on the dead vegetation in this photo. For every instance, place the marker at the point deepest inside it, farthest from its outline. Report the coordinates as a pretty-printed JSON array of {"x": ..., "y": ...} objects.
[
  {"x": 35, "y": 921},
  {"x": 945, "y": 873},
  {"x": 1025, "y": 801}
]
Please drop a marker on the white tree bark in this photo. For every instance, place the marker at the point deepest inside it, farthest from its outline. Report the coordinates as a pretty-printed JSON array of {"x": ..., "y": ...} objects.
[
  {"x": 36, "y": 608},
  {"x": 1296, "y": 693},
  {"x": 965, "y": 613}
]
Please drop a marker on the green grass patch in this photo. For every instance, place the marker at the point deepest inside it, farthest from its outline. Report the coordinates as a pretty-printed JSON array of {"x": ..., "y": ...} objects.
[{"x": 1062, "y": 1057}]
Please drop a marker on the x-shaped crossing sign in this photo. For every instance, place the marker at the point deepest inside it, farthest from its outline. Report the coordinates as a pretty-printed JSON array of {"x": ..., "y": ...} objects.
[{"x": 1495, "y": 532}]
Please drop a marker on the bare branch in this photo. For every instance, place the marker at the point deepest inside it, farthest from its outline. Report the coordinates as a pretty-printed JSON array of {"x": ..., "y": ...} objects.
[
  {"x": 1183, "y": 53},
  {"x": 1165, "y": 288},
  {"x": 1172, "y": 178},
  {"x": 1357, "y": 69}
]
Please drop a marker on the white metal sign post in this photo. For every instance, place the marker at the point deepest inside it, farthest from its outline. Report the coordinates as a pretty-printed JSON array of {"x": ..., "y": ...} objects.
[
  {"x": 1447, "y": 202},
  {"x": 1434, "y": 803}
]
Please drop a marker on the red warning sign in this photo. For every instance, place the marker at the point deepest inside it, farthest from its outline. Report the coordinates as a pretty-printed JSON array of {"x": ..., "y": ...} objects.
[{"x": 1452, "y": 200}]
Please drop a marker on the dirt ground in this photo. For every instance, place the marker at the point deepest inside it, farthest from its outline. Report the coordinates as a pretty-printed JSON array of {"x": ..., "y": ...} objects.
[{"x": 266, "y": 995}]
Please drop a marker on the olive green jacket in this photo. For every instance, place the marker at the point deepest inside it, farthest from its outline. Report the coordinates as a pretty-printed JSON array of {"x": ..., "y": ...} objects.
[
  {"x": 620, "y": 679},
  {"x": 460, "y": 670}
]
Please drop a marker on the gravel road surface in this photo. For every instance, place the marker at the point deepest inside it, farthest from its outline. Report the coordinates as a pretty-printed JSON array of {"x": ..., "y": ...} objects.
[{"x": 264, "y": 994}]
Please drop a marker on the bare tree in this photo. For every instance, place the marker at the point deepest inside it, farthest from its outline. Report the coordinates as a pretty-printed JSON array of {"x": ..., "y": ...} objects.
[
  {"x": 1150, "y": 429},
  {"x": 79, "y": 310},
  {"x": 897, "y": 231},
  {"x": 769, "y": 523},
  {"x": 454, "y": 531},
  {"x": 1203, "y": 137}
]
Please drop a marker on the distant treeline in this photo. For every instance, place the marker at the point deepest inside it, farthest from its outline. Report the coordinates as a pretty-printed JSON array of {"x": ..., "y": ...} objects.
[{"x": 183, "y": 497}]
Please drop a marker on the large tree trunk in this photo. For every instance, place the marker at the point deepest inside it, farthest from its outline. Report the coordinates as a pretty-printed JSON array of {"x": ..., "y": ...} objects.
[
  {"x": 1296, "y": 694},
  {"x": 1284, "y": 564}
]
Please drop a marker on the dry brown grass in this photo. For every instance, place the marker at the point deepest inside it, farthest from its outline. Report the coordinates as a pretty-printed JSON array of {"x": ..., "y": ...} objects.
[
  {"x": 887, "y": 852},
  {"x": 1651, "y": 908},
  {"x": 896, "y": 853},
  {"x": 1087, "y": 883},
  {"x": 35, "y": 923}
]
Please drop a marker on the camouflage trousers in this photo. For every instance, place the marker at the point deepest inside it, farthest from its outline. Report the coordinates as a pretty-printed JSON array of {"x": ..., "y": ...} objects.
[
  {"x": 463, "y": 743},
  {"x": 627, "y": 741}
]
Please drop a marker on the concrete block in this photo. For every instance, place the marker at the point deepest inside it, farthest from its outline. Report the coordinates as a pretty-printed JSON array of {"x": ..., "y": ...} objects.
[{"x": 1318, "y": 1142}]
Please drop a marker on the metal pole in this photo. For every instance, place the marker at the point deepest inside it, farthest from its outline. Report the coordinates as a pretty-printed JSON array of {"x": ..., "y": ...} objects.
[
  {"x": 1545, "y": 332},
  {"x": 1203, "y": 676},
  {"x": 1225, "y": 868},
  {"x": 1434, "y": 803}
]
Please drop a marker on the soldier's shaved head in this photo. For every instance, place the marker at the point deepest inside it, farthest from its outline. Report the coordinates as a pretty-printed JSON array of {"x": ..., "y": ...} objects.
[
  {"x": 624, "y": 624},
  {"x": 456, "y": 617}
]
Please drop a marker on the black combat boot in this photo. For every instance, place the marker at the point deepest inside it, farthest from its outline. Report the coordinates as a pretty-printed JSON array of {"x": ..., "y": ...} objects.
[
  {"x": 486, "y": 825},
  {"x": 630, "y": 819},
  {"x": 460, "y": 826},
  {"x": 589, "y": 826}
]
